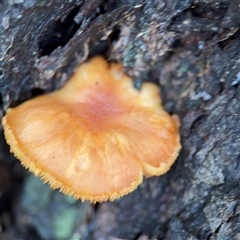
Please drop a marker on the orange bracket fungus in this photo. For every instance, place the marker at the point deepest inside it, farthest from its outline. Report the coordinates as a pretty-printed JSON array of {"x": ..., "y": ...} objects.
[{"x": 97, "y": 136}]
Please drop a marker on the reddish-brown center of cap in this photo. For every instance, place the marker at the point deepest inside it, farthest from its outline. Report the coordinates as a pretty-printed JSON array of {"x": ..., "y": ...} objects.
[{"x": 97, "y": 107}]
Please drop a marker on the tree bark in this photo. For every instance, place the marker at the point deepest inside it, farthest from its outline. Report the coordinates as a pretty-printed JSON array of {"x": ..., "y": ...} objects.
[{"x": 191, "y": 50}]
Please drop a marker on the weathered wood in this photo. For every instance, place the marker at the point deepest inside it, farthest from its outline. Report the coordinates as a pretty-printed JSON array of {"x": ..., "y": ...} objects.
[{"x": 189, "y": 48}]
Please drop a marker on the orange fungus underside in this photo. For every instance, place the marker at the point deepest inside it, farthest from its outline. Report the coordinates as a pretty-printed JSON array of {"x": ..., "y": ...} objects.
[{"x": 97, "y": 136}]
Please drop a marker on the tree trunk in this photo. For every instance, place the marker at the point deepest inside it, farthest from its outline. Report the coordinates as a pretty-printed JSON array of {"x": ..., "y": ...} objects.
[{"x": 191, "y": 50}]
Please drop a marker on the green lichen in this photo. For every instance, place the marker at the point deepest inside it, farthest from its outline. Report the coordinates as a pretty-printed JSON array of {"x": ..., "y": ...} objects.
[
  {"x": 36, "y": 195},
  {"x": 63, "y": 222}
]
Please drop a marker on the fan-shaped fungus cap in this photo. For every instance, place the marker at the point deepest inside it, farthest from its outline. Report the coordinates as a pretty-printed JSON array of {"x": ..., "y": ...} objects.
[{"x": 97, "y": 136}]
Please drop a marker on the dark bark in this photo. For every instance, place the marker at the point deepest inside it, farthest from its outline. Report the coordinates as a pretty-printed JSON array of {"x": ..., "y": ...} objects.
[{"x": 189, "y": 48}]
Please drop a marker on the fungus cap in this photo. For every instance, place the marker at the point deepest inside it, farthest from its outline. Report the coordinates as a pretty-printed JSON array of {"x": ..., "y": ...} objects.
[{"x": 97, "y": 136}]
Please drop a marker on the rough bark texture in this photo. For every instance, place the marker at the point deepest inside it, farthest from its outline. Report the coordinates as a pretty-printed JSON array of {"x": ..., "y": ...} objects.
[{"x": 189, "y": 48}]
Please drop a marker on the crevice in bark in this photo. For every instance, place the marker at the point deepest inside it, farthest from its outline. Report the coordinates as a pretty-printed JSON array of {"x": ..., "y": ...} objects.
[
  {"x": 229, "y": 41},
  {"x": 60, "y": 34},
  {"x": 63, "y": 30}
]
